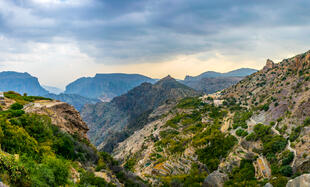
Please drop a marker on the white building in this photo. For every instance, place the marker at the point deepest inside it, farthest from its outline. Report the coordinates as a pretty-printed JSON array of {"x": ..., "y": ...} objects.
[{"x": 1, "y": 95}]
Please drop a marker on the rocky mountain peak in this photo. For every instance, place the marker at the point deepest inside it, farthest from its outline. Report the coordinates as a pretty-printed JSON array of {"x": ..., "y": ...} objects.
[{"x": 269, "y": 65}]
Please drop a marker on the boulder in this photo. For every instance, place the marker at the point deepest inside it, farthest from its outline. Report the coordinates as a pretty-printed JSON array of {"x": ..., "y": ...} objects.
[
  {"x": 268, "y": 185},
  {"x": 215, "y": 179},
  {"x": 303, "y": 180}
]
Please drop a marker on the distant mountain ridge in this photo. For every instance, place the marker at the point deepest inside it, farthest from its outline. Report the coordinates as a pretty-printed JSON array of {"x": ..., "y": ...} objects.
[
  {"x": 242, "y": 72},
  {"x": 21, "y": 82},
  {"x": 211, "y": 81},
  {"x": 52, "y": 89},
  {"x": 113, "y": 122},
  {"x": 106, "y": 86}
]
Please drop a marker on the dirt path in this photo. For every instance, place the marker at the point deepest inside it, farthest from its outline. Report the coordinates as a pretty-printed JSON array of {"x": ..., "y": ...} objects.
[
  {"x": 273, "y": 128},
  {"x": 292, "y": 150}
]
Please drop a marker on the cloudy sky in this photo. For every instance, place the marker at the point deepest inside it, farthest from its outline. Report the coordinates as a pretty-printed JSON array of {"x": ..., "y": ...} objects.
[{"x": 61, "y": 40}]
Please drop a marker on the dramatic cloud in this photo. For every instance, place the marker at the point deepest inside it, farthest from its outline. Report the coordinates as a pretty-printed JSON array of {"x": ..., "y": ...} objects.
[{"x": 116, "y": 35}]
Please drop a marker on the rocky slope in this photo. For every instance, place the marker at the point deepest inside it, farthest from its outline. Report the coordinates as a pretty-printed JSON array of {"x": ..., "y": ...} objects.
[
  {"x": 20, "y": 82},
  {"x": 113, "y": 122},
  {"x": 106, "y": 86},
  {"x": 253, "y": 133},
  {"x": 62, "y": 115},
  {"x": 281, "y": 92}
]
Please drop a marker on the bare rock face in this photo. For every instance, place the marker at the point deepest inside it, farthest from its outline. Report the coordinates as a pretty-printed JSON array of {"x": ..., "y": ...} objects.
[
  {"x": 268, "y": 185},
  {"x": 269, "y": 65},
  {"x": 215, "y": 179},
  {"x": 62, "y": 115},
  {"x": 303, "y": 180}
]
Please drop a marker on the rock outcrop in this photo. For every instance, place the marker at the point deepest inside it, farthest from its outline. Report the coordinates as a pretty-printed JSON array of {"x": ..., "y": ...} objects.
[
  {"x": 62, "y": 115},
  {"x": 215, "y": 179},
  {"x": 269, "y": 65},
  {"x": 303, "y": 180}
]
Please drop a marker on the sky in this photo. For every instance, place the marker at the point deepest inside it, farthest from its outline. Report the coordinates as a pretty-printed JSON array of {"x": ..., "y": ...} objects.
[{"x": 59, "y": 41}]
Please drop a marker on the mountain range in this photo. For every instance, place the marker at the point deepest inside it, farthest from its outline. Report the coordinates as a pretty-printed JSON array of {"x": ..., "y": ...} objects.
[
  {"x": 211, "y": 82},
  {"x": 20, "y": 82},
  {"x": 254, "y": 133},
  {"x": 242, "y": 72},
  {"x": 113, "y": 122},
  {"x": 106, "y": 86}
]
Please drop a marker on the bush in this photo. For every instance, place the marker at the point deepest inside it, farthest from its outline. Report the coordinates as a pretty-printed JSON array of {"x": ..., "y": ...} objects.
[
  {"x": 251, "y": 137},
  {"x": 273, "y": 144},
  {"x": 244, "y": 175},
  {"x": 288, "y": 158},
  {"x": 306, "y": 121},
  {"x": 286, "y": 171},
  {"x": 89, "y": 179},
  {"x": 278, "y": 181},
  {"x": 241, "y": 132},
  {"x": 16, "y": 106}
]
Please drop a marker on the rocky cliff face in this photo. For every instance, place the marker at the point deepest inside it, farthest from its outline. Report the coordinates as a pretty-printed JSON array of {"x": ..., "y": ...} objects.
[
  {"x": 113, "y": 122},
  {"x": 20, "y": 82},
  {"x": 106, "y": 86},
  {"x": 62, "y": 115}
]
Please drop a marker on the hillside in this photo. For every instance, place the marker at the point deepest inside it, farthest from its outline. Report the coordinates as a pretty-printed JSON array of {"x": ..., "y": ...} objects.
[
  {"x": 253, "y": 133},
  {"x": 106, "y": 86},
  {"x": 20, "y": 82},
  {"x": 113, "y": 122},
  {"x": 44, "y": 143},
  {"x": 211, "y": 82}
]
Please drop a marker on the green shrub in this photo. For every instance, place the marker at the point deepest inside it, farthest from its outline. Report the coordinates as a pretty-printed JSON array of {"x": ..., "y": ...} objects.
[
  {"x": 244, "y": 175},
  {"x": 288, "y": 158},
  {"x": 306, "y": 121},
  {"x": 89, "y": 179},
  {"x": 241, "y": 132},
  {"x": 16, "y": 106},
  {"x": 218, "y": 146},
  {"x": 131, "y": 163},
  {"x": 286, "y": 170}
]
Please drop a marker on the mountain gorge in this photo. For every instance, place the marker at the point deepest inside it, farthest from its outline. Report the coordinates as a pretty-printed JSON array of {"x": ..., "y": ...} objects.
[{"x": 113, "y": 122}]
